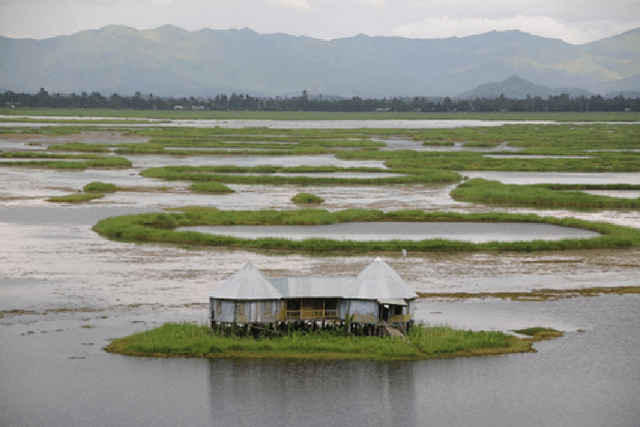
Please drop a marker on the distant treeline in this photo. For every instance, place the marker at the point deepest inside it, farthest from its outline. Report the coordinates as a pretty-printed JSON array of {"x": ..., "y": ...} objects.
[{"x": 236, "y": 102}]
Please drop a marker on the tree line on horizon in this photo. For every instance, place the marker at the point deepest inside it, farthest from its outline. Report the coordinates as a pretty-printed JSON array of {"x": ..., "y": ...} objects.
[{"x": 235, "y": 102}]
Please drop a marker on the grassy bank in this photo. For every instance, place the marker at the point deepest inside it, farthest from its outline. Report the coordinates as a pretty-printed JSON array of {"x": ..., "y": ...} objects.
[
  {"x": 311, "y": 115},
  {"x": 188, "y": 340},
  {"x": 159, "y": 228},
  {"x": 63, "y": 161},
  {"x": 535, "y": 196},
  {"x": 76, "y": 198}
]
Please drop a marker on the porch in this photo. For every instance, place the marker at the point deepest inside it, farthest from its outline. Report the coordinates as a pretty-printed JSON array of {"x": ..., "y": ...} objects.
[{"x": 309, "y": 309}]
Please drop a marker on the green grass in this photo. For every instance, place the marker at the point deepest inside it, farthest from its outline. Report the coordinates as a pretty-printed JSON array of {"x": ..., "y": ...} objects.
[
  {"x": 100, "y": 187},
  {"x": 62, "y": 161},
  {"x": 566, "y": 141},
  {"x": 307, "y": 198},
  {"x": 210, "y": 188},
  {"x": 93, "y": 190},
  {"x": 189, "y": 340},
  {"x": 536, "y": 196},
  {"x": 582, "y": 187},
  {"x": 76, "y": 198},
  {"x": 159, "y": 228},
  {"x": 80, "y": 147}
]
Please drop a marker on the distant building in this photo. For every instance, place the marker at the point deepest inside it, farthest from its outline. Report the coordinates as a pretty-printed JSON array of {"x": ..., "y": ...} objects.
[{"x": 376, "y": 298}]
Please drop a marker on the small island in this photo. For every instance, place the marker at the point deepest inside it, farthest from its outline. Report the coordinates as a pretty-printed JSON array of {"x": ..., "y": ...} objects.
[
  {"x": 369, "y": 317},
  {"x": 307, "y": 198},
  {"x": 420, "y": 343}
]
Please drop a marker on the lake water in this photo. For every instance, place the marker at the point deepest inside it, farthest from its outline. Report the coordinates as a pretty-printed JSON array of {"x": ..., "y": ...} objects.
[
  {"x": 74, "y": 291},
  {"x": 54, "y": 374},
  {"x": 475, "y": 232},
  {"x": 286, "y": 124},
  {"x": 322, "y": 160}
]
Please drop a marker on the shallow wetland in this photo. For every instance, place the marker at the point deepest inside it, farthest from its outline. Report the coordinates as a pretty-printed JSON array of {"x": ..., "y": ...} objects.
[{"x": 65, "y": 292}]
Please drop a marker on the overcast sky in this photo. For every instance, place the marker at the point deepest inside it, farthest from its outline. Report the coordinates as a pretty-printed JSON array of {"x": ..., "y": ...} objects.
[{"x": 574, "y": 21}]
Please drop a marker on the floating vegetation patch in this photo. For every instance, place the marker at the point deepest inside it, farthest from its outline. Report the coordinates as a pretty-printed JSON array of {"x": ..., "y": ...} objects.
[
  {"x": 307, "y": 198},
  {"x": 539, "y": 333},
  {"x": 210, "y": 188},
  {"x": 76, "y": 198},
  {"x": 160, "y": 228},
  {"x": 79, "y": 147},
  {"x": 495, "y": 193},
  {"x": 100, "y": 187},
  {"x": 64, "y": 161}
]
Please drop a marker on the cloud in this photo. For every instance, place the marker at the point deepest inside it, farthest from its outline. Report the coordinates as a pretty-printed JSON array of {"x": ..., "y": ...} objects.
[
  {"x": 544, "y": 26},
  {"x": 377, "y": 4},
  {"x": 289, "y": 4}
]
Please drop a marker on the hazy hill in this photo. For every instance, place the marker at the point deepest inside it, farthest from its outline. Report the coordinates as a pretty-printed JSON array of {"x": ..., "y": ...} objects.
[
  {"x": 172, "y": 61},
  {"x": 518, "y": 88}
]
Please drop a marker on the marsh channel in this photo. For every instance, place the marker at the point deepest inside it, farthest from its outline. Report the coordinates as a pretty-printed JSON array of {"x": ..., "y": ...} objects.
[{"x": 65, "y": 292}]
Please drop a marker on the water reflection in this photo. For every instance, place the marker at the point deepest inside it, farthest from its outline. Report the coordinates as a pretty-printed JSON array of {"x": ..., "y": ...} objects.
[{"x": 281, "y": 393}]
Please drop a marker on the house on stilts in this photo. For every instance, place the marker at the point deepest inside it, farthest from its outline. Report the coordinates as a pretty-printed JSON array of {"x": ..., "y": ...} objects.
[{"x": 369, "y": 304}]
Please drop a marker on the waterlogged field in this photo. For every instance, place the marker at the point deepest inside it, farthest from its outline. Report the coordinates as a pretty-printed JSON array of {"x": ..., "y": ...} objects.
[
  {"x": 71, "y": 291},
  {"x": 102, "y": 114},
  {"x": 228, "y": 174}
]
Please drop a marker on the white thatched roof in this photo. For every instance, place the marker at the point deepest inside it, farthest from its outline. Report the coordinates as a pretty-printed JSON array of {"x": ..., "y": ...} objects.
[
  {"x": 381, "y": 283},
  {"x": 248, "y": 283}
]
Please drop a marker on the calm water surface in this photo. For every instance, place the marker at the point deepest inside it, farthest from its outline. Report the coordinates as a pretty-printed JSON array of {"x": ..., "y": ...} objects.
[
  {"x": 288, "y": 124},
  {"x": 523, "y": 178},
  {"x": 476, "y": 232},
  {"x": 322, "y": 160},
  {"x": 589, "y": 378}
]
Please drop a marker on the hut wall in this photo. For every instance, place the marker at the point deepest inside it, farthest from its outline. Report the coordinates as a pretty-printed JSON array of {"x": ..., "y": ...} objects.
[
  {"x": 361, "y": 311},
  {"x": 223, "y": 310},
  {"x": 268, "y": 311}
]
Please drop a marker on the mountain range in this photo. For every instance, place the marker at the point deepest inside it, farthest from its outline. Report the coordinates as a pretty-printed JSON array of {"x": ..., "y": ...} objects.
[{"x": 172, "y": 61}]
